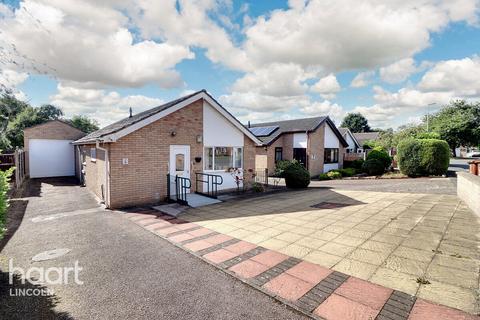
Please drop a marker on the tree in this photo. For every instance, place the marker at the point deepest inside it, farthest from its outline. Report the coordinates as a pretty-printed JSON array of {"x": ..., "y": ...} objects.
[
  {"x": 84, "y": 123},
  {"x": 356, "y": 122},
  {"x": 458, "y": 123}
]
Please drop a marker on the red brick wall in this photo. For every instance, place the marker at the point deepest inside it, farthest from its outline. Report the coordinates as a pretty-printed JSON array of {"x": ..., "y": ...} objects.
[
  {"x": 316, "y": 143},
  {"x": 94, "y": 170}
]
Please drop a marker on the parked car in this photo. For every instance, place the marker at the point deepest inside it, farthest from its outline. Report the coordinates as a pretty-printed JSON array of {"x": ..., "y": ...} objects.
[{"x": 473, "y": 154}]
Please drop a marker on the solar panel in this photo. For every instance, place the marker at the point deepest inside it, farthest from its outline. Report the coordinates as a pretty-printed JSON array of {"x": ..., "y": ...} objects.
[{"x": 263, "y": 131}]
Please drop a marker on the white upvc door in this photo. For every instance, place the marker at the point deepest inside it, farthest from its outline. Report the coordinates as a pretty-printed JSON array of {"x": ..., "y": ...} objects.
[{"x": 179, "y": 164}]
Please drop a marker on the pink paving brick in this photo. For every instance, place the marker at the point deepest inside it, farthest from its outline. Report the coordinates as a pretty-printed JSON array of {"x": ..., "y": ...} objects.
[
  {"x": 166, "y": 231},
  {"x": 145, "y": 222},
  {"x": 364, "y": 292},
  {"x": 200, "y": 232},
  {"x": 219, "y": 256},
  {"x": 185, "y": 226},
  {"x": 181, "y": 237},
  {"x": 219, "y": 238},
  {"x": 241, "y": 247},
  {"x": 309, "y": 272},
  {"x": 157, "y": 225},
  {"x": 142, "y": 216},
  {"x": 198, "y": 245},
  {"x": 248, "y": 269},
  {"x": 270, "y": 258},
  {"x": 423, "y": 310},
  {"x": 288, "y": 287},
  {"x": 339, "y": 308}
]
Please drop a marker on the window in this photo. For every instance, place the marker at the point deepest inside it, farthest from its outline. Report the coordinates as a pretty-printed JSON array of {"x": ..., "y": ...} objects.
[
  {"x": 179, "y": 162},
  {"x": 93, "y": 154},
  {"x": 331, "y": 155},
  {"x": 278, "y": 154},
  {"x": 223, "y": 158}
]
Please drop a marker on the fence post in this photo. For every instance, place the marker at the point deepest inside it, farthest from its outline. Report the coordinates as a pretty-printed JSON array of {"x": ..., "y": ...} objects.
[{"x": 266, "y": 177}]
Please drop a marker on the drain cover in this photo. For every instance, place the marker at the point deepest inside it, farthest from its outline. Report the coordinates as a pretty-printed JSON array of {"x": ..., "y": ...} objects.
[
  {"x": 330, "y": 205},
  {"x": 50, "y": 254}
]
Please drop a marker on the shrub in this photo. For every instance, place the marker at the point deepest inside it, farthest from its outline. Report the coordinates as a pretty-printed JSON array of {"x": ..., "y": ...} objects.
[
  {"x": 281, "y": 165},
  {"x": 333, "y": 174},
  {"x": 347, "y": 172},
  {"x": 380, "y": 154},
  {"x": 323, "y": 176},
  {"x": 4, "y": 186},
  {"x": 423, "y": 157},
  {"x": 355, "y": 164},
  {"x": 427, "y": 135},
  {"x": 257, "y": 187},
  {"x": 373, "y": 167},
  {"x": 296, "y": 176}
]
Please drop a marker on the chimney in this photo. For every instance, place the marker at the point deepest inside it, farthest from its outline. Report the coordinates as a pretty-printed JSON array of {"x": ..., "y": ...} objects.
[
  {"x": 249, "y": 123},
  {"x": 130, "y": 112}
]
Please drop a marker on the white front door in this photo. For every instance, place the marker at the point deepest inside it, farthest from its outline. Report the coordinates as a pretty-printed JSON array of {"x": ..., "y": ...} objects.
[{"x": 179, "y": 164}]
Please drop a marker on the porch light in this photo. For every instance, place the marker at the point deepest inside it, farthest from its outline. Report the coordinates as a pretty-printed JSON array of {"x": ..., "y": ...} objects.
[
  {"x": 199, "y": 138},
  {"x": 173, "y": 133}
]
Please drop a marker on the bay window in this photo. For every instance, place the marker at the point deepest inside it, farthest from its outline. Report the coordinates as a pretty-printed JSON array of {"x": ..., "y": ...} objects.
[{"x": 223, "y": 158}]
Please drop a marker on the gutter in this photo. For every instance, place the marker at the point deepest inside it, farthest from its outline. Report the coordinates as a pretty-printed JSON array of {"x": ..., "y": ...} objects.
[{"x": 107, "y": 174}]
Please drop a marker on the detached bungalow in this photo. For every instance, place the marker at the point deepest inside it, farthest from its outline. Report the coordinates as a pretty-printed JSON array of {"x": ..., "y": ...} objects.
[
  {"x": 315, "y": 142},
  {"x": 353, "y": 144},
  {"x": 194, "y": 137}
]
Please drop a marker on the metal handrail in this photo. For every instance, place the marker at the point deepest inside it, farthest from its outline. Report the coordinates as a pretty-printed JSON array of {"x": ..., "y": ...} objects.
[
  {"x": 181, "y": 185},
  {"x": 212, "y": 181}
]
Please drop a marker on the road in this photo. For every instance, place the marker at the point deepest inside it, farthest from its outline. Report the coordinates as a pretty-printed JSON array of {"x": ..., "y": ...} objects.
[{"x": 128, "y": 273}]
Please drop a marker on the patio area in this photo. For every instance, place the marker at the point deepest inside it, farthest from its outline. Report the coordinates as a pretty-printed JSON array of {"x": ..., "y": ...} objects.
[{"x": 422, "y": 244}]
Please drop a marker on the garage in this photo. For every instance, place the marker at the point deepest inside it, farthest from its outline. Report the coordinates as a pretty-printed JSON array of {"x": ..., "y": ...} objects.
[
  {"x": 49, "y": 149},
  {"x": 51, "y": 158}
]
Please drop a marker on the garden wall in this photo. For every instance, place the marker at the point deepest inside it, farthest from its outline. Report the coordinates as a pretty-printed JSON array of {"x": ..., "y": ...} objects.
[{"x": 468, "y": 190}]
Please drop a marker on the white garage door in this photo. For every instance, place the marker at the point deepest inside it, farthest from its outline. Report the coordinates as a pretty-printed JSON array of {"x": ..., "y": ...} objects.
[{"x": 51, "y": 158}]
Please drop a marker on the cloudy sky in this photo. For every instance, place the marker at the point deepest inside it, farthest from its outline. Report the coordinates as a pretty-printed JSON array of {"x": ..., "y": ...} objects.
[{"x": 263, "y": 60}]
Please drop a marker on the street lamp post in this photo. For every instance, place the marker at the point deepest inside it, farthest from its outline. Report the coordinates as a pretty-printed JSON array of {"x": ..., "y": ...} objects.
[{"x": 428, "y": 115}]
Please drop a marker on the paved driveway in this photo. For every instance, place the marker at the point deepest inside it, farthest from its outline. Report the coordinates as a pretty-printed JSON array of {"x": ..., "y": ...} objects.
[
  {"x": 128, "y": 273},
  {"x": 398, "y": 240}
]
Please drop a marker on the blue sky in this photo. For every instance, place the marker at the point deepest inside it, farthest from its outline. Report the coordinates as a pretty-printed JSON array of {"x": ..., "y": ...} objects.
[{"x": 263, "y": 60}]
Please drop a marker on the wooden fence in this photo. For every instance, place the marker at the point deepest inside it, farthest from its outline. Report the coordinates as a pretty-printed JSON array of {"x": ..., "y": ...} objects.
[{"x": 17, "y": 160}]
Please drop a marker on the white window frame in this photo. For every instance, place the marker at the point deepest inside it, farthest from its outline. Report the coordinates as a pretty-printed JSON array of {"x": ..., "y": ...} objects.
[
  {"x": 213, "y": 158},
  {"x": 93, "y": 154}
]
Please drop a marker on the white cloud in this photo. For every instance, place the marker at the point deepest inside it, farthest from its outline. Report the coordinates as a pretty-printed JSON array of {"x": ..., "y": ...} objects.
[
  {"x": 399, "y": 71},
  {"x": 104, "y": 106},
  {"x": 88, "y": 43},
  {"x": 362, "y": 79},
  {"x": 257, "y": 102},
  {"x": 324, "y": 108},
  {"x": 346, "y": 35},
  {"x": 459, "y": 77},
  {"x": 327, "y": 87},
  {"x": 10, "y": 80}
]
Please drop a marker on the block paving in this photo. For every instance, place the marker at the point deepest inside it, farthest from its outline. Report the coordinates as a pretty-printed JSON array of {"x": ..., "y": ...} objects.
[{"x": 313, "y": 288}]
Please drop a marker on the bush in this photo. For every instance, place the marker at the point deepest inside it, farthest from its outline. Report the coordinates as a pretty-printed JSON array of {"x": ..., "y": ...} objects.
[
  {"x": 296, "y": 176},
  {"x": 347, "y": 172},
  {"x": 423, "y": 157},
  {"x": 4, "y": 186},
  {"x": 380, "y": 154},
  {"x": 333, "y": 174},
  {"x": 281, "y": 165},
  {"x": 355, "y": 164},
  {"x": 257, "y": 187},
  {"x": 373, "y": 167},
  {"x": 322, "y": 176}
]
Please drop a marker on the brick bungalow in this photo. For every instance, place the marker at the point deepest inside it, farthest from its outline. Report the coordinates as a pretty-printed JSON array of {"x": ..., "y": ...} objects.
[
  {"x": 315, "y": 142},
  {"x": 127, "y": 162},
  {"x": 353, "y": 144}
]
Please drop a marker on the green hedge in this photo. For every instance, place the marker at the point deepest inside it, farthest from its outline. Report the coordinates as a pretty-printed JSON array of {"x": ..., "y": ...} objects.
[
  {"x": 423, "y": 157},
  {"x": 334, "y": 175},
  {"x": 373, "y": 167},
  {"x": 4, "y": 186},
  {"x": 381, "y": 155},
  {"x": 355, "y": 164},
  {"x": 296, "y": 176}
]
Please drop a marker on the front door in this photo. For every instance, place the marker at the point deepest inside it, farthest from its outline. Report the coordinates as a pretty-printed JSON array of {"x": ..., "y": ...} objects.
[
  {"x": 300, "y": 154},
  {"x": 179, "y": 164}
]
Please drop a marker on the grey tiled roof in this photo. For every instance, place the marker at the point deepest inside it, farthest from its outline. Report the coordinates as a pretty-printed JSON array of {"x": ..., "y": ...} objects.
[
  {"x": 124, "y": 123},
  {"x": 296, "y": 125},
  {"x": 362, "y": 137}
]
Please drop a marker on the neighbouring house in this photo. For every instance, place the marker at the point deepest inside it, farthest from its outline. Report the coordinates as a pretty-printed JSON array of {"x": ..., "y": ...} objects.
[
  {"x": 127, "y": 162},
  {"x": 352, "y": 142},
  {"x": 363, "y": 137},
  {"x": 315, "y": 142},
  {"x": 49, "y": 151}
]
